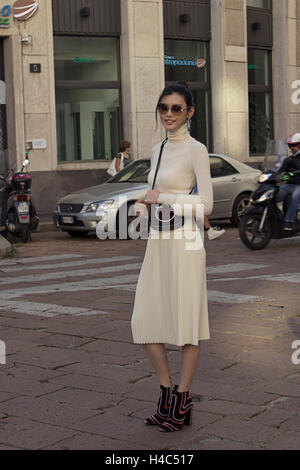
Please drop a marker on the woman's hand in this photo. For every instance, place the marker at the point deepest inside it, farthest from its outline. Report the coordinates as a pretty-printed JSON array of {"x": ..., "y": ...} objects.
[{"x": 151, "y": 197}]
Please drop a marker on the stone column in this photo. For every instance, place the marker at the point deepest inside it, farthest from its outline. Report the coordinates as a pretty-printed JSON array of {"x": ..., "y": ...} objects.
[
  {"x": 230, "y": 78},
  {"x": 293, "y": 64},
  {"x": 142, "y": 72}
]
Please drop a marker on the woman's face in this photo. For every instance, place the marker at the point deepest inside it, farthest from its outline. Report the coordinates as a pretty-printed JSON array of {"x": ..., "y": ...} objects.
[{"x": 173, "y": 121}]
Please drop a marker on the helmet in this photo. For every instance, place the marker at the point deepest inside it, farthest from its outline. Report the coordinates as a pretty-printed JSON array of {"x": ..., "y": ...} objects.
[{"x": 294, "y": 138}]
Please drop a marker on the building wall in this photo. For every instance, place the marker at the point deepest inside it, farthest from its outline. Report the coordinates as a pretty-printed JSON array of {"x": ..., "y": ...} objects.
[{"x": 31, "y": 97}]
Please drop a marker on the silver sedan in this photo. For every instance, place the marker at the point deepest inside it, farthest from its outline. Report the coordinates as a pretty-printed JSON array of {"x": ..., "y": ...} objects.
[{"x": 80, "y": 212}]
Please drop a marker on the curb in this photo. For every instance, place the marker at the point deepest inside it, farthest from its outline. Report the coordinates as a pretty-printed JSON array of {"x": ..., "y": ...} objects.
[{"x": 5, "y": 246}]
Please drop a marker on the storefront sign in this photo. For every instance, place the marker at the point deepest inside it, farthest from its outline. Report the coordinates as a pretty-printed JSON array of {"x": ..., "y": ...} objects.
[
  {"x": 171, "y": 61},
  {"x": 5, "y": 12},
  {"x": 22, "y": 10},
  {"x": 38, "y": 144},
  {"x": 83, "y": 60}
]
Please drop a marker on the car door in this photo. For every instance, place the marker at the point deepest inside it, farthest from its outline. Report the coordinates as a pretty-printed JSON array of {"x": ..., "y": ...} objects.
[{"x": 225, "y": 179}]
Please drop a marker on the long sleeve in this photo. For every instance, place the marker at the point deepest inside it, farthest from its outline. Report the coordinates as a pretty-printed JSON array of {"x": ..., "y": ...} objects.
[{"x": 200, "y": 166}]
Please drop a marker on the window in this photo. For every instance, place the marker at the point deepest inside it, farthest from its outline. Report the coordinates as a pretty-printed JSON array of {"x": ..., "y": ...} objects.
[
  {"x": 266, "y": 4},
  {"x": 188, "y": 61},
  {"x": 87, "y": 98},
  {"x": 219, "y": 167},
  {"x": 136, "y": 172},
  {"x": 260, "y": 100}
]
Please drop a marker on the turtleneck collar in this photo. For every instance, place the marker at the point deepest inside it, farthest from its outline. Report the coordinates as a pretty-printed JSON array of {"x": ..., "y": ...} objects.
[{"x": 180, "y": 134}]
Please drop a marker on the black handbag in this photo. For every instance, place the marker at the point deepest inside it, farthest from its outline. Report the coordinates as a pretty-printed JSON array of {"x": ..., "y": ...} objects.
[{"x": 162, "y": 217}]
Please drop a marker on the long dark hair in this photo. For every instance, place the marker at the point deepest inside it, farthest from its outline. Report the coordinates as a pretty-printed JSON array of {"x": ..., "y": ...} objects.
[{"x": 182, "y": 89}]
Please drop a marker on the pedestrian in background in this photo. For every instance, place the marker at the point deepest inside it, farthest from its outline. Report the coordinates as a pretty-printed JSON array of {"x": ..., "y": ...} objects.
[
  {"x": 171, "y": 297},
  {"x": 122, "y": 159}
]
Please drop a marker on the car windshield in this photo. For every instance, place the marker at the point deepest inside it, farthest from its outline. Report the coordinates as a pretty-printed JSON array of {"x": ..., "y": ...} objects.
[{"x": 135, "y": 172}]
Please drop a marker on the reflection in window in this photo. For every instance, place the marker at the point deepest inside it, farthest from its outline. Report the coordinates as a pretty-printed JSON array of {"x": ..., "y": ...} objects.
[
  {"x": 92, "y": 59},
  {"x": 259, "y": 71},
  {"x": 260, "y": 100},
  {"x": 136, "y": 172},
  {"x": 88, "y": 119},
  {"x": 98, "y": 134},
  {"x": 260, "y": 122},
  {"x": 267, "y": 4},
  {"x": 77, "y": 136},
  {"x": 85, "y": 130},
  {"x": 219, "y": 167}
]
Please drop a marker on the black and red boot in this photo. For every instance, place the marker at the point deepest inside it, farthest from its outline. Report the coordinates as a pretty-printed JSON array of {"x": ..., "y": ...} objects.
[
  {"x": 181, "y": 410},
  {"x": 163, "y": 407}
]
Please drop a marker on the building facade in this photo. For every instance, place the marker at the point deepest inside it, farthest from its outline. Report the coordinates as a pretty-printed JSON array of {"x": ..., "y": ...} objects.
[{"x": 79, "y": 76}]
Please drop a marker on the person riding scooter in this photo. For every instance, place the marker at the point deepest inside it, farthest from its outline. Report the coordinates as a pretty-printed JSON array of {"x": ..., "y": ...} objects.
[{"x": 291, "y": 190}]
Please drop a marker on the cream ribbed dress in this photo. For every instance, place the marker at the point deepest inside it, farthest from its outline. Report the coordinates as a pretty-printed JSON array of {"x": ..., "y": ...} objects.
[{"x": 171, "y": 300}]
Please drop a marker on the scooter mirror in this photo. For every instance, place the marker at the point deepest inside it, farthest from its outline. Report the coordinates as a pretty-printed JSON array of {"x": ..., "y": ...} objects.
[{"x": 26, "y": 163}]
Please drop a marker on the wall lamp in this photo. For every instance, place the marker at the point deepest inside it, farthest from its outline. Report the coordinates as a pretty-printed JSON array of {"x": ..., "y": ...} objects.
[
  {"x": 184, "y": 18},
  {"x": 256, "y": 26},
  {"x": 85, "y": 12}
]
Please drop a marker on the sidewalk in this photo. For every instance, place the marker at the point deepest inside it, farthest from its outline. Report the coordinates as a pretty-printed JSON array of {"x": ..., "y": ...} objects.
[{"x": 73, "y": 379}]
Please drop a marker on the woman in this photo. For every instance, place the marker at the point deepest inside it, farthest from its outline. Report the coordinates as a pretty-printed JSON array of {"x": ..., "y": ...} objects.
[
  {"x": 171, "y": 301},
  {"x": 123, "y": 158}
]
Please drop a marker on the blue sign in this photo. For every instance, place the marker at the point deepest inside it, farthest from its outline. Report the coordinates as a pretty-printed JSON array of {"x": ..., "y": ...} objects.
[{"x": 5, "y": 12}]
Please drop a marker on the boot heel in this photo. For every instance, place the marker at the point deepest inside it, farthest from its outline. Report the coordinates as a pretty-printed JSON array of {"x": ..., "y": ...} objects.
[{"x": 189, "y": 417}]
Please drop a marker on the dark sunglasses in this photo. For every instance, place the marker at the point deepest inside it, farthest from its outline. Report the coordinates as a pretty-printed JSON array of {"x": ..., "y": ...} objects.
[
  {"x": 293, "y": 145},
  {"x": 176, "y": 109}
]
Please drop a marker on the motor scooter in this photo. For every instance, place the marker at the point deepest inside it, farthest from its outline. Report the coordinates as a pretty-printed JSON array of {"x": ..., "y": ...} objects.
[
  {"x": 264, "y": 220},
  {"x": 21, "y": 218}
]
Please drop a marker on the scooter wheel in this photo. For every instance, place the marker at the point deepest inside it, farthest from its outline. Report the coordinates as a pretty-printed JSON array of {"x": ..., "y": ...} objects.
[
  {"x": 249, "y": 234},
  {"x": 24, "y": 233}
]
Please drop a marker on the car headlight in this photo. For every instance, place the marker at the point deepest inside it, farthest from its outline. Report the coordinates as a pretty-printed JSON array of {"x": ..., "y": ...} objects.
[
  {"x": 267, "y": 195},
  {"x": 102, "y": 205}
]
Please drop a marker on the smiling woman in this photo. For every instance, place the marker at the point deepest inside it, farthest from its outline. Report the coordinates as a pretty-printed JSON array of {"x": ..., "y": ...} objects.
[{"x": 171, "y": 301}]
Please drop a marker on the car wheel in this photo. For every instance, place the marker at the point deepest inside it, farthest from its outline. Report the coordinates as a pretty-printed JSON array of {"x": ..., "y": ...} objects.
[
  {"x": 241, "y": 203},
  {"x": 77, "y": 234}
]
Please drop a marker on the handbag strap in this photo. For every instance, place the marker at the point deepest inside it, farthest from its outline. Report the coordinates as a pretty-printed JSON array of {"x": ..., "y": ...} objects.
[{"x": 158, "y": 163}]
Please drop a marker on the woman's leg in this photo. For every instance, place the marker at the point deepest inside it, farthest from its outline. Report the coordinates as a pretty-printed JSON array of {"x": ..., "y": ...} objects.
[
  {"x": 158, "y": 356},
  {"x": 189, "y": 362}
]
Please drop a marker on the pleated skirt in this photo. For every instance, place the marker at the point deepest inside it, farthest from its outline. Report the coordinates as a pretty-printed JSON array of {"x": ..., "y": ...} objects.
[{"x": 171, "y": 296}]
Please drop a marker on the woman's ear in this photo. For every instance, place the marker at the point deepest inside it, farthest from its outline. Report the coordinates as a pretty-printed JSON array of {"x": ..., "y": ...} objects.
[{"x": 191, "y": 112}]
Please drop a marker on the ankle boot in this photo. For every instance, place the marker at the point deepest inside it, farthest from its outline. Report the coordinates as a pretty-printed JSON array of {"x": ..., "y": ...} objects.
[
  {"x": 163, "y": 407},
  {"x": 181, "y": 409}
]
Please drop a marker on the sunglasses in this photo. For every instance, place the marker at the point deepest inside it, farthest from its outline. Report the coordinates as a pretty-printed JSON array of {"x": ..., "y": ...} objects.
[
  {"x": 293, "y": 145},
  {"x": 176, "y": 109}
]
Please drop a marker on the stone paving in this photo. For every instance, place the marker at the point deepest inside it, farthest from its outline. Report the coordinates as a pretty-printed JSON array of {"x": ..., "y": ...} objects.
[{"x": 73, "y": 379}]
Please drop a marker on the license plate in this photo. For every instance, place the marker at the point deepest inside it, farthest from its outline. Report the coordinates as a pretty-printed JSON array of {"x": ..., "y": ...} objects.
[
  {"x": 67, "y": 220},
  {"x": 23, "y": 207}
]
